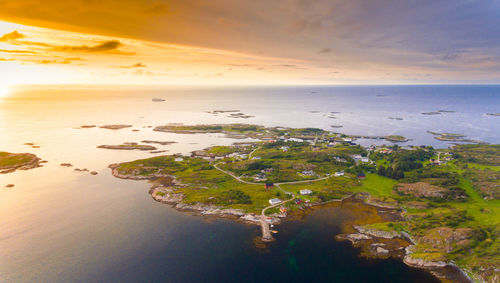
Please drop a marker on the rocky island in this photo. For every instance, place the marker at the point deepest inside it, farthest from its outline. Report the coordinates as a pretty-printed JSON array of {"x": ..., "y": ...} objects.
[
  {"x": 10, "y": 162},
  {"x": 115, "y": 127},
  {"x": 128, "y": 146},
  {"x": 452, "y": 137}
]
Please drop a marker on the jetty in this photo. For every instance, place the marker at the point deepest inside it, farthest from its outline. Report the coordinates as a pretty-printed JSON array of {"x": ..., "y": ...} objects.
[{"x": 266, "y": 231}]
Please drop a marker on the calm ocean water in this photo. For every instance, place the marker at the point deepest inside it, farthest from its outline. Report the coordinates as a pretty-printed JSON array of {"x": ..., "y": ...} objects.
[{"x": 57, "y": 225}]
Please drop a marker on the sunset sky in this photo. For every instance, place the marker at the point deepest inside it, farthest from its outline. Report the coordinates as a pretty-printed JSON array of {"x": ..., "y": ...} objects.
[{"x": 249, "y": 42}]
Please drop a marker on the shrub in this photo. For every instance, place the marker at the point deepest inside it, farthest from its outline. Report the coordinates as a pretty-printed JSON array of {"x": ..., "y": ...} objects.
[{"x": 236, "y": 196}]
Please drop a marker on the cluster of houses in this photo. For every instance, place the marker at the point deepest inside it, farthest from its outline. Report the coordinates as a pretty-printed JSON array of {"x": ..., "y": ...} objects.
[
  {"x": 212, "y": 157},
  {"x": 443, "y": 158}
]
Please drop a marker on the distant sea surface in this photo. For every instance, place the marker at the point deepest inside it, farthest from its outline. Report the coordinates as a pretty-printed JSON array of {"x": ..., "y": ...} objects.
[{"x": 59, "y": 225}]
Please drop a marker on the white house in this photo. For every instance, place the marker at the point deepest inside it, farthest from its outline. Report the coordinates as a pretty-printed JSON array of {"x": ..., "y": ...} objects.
[
  {"x": 274, "y": 201},
  {"x": 338, "y": 174},
  {"x": 365, "y": 159},
  {"x": 305, "y": 192},
  {"x": 308, "y": 172}
]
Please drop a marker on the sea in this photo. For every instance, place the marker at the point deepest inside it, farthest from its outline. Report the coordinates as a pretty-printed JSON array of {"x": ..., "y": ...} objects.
[{"x": 61, "y": 225}]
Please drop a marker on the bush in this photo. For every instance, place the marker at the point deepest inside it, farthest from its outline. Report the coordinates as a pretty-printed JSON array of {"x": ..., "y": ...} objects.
[
  {"x": 236, "y": 196},
  {"x": 324, "y": 196}
]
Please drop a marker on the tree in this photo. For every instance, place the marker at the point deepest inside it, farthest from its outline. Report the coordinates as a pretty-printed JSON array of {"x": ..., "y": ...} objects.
[
  {"x": 381, "y": 170},
  {"x": 398, "y": 174}
]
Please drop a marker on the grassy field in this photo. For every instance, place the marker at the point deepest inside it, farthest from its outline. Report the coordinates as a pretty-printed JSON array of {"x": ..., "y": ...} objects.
[{"x": 378, "y": 185}]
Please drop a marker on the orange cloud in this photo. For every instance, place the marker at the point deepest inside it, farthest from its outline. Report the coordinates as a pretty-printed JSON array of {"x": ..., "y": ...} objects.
[
  {"x": 18, "y": 51},
  {"x": 12, "y": 36},
  {"x": 107, "y": 46},
  {"x": 137, "y": 65},
  {"x": 59, "y": 61}
]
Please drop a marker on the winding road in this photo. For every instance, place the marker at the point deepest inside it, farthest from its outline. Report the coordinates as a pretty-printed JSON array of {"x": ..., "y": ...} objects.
[
  {"x": 276, "y": 184},
  {"x": 266, "y": 232}
]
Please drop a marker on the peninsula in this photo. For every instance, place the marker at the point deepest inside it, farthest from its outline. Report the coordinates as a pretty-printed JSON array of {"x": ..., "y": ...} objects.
[{"x": 448, "y": 199}]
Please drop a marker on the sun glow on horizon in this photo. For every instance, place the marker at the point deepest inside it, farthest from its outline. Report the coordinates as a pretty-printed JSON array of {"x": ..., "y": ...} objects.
[{"x": 4, "y": 90}]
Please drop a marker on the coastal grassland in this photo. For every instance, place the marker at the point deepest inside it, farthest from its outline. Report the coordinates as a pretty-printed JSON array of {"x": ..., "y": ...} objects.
[
  {"x": 478, "y": 153},
  {"x": 230, "y": 194},
  {"x": 379, "y": 186},
  {"x": 161, "y": 165},
  {"x": 201, "y": 182},
  {"x": 462, "y": 223},
  {"x": 223, "y": 150},
  {"x": 293, "y": 161},
  {"x": 325, "y": 190},
  {"x": 482, "y": 167}
]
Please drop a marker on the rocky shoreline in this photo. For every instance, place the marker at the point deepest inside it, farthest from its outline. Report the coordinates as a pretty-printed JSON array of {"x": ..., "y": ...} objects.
[
  {"x": 167, "y": 195},
  {"x": 380, "y": 245},
  {"x": 376, "y": 242}
]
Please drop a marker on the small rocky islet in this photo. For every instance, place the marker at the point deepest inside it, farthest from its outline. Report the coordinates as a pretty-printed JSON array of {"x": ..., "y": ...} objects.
[
  {"x": 10, "y": 162},
  {"x": 452, "y": 137},
  {"x": 128, "y": 146},
  {"x": 115, "y": 126}
]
